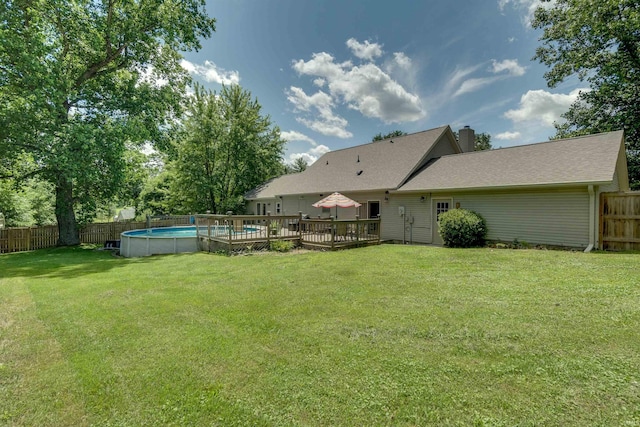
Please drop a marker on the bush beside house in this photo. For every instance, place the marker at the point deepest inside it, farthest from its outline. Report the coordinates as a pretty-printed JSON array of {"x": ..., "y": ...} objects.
[{"x": 462, "y": 228}]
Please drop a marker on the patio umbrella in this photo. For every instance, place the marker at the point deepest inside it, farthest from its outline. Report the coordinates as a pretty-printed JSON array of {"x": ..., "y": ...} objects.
[{"x": 336, "y": 200}]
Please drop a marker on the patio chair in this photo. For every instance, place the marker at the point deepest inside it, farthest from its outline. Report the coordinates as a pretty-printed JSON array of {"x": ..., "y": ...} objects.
[{"x": 341, "y": 231}]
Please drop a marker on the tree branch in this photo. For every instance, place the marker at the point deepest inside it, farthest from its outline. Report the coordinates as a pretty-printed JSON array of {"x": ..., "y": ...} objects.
[{"x": 94, "y": 69}]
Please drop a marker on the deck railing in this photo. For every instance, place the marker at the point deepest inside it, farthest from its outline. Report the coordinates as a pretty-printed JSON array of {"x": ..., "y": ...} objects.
[{"x": 233, "y": 233}]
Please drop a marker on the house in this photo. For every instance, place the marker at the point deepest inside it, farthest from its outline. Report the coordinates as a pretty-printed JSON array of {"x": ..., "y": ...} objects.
[
  {"x": 544, "y": 193},
  {"x": 126, "y": 214}
]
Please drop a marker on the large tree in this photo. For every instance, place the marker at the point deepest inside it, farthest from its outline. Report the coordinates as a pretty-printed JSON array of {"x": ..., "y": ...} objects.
[
  {"x": 597, "y": 41},
  {"x": 226, "y": 149},
  {"x": 80, "y": 80}
]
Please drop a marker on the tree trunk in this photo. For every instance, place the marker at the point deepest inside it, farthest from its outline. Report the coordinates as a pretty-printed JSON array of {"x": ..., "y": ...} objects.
[{"x": 68, "y": 233}]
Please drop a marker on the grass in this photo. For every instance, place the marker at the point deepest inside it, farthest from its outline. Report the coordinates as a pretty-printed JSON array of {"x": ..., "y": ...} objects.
[{"x": 387, "y": 335}]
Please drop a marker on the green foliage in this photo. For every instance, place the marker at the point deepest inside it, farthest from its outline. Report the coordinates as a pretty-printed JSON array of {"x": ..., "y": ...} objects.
[
  {"x": 597, "y": 42},
  {"x": 392, "y": 134},
  {"x": 299, "y": 165},
  {"x": 26, "y": 204},
  {"x": 225, "y": 149},
  {"x": 281, "y": 245},
  {"x": 14, "y": 206},
  {"x": 462, "y": 228},
  {"x": 155, "y": 197},
  {"x": 483, "y": 142},
  {"x": 80, "y": 81}
]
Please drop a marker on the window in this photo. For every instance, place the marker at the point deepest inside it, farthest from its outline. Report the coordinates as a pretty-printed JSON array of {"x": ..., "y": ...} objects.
[
  {"x": 278, "y": 208},
  {"x": 441, "y": 207}
]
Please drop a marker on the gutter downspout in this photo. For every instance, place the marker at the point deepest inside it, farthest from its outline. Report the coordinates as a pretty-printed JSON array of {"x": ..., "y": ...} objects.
[{"x": 592, "y": 219}]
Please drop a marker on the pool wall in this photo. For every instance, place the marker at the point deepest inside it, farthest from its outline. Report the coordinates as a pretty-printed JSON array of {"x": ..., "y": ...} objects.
[{"x": 138, "y": 245}]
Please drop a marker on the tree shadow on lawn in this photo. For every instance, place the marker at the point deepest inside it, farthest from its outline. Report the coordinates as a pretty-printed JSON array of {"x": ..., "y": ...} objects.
[{"x": 68, "y": 262}]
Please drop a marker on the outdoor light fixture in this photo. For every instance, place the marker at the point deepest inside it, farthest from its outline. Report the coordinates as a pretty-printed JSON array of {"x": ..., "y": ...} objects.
[{"x": 422, "y": 198}]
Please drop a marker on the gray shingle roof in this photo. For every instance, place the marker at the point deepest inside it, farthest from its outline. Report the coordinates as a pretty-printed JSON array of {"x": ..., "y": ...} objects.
[
  {"x": 587, "y": 159},
  {"x": 373, "y": 166}
]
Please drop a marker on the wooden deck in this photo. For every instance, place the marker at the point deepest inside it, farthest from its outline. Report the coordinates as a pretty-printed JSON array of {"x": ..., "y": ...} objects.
[{"x": 238, "y": 233}]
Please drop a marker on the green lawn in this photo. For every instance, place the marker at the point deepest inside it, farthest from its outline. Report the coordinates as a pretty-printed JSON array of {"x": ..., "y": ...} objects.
[{"x": 386, "y": 335}]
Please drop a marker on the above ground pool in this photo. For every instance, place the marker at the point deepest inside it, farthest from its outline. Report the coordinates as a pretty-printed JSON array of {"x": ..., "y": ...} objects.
[
  {"x": 153, "y": 241},
  {"x": 167, "y": 240}
]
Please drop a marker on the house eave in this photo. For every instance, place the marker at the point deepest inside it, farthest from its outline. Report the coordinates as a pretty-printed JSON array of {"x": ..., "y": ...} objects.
[{"x": 546, "y": 185}]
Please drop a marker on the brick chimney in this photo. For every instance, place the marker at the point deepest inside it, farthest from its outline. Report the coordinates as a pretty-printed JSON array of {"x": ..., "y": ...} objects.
[{"x": 467, "y": 139}]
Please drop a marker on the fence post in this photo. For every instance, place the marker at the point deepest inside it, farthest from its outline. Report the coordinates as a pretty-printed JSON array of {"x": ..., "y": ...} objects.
[
  {"x": 148, "y": 221},
  {"x": 230, "y": 225},
  {"x": 357, "y": 229}
]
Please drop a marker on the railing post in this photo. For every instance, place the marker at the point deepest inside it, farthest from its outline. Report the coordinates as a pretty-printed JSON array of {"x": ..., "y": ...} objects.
[
  {"x": 148, "y": 221},
  {"x": 300, "y": 226},
  {"x": 333, "y": 233},
  {"x": 379, "y": 228},
  {"x": 357, "y": 229},
  {"x": 268, "y": 230},
  {"x": 230, "y": 225}
]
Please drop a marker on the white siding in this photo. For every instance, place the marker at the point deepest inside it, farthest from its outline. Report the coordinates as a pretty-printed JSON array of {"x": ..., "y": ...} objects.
[
  {"x": 552, "y": 218},
  {"x": 398, "y": 228}
]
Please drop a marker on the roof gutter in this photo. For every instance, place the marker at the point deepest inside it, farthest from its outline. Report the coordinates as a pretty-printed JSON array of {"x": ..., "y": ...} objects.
[
  {"x": 542, "y": 186},
  {"x": 592, "y": 219}
]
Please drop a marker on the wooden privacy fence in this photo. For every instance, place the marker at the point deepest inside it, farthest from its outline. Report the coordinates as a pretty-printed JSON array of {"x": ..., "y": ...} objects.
[
  {"x": 18, "y": 239},
  {"x": 620, "y": 221}
]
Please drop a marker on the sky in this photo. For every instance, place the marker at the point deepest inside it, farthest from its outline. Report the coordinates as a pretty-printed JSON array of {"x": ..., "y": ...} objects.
[{"x": 331, "y": 74}]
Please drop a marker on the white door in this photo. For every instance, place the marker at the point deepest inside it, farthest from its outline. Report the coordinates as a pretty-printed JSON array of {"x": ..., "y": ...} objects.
[{"x": 438, "y": 206}]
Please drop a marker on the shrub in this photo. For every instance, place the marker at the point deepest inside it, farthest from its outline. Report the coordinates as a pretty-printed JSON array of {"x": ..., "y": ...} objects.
[
  {"x": 462, "y": 228},
  {"x": 281, "y": 245}
]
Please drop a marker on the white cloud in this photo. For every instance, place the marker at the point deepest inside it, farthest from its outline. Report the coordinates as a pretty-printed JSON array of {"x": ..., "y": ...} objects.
[
  {"x": 319, "y": 82},
  {"x": 402, "y": 60},
  {"x": 364, "y": 88},
  {"x": 320, "y": 103},
  {"x": 459, "y": 84},
  {"x": 542, "y": 107},
  {"x": 303, "y": 102},
  {"x": 509, "y": 65},
  {"x": 297, "y": 136},
  {"x": 529, "y": 7},
  {"x": 310, "y": 156},
  {"x": 306, "y": 156},
  {"x": 330, "y": 126},
  {"x": 320, "y": 150},
  {"x": 365, "y": 50},
  {"x": 508, "y": 135},
  {"x": 471, "y": 85},
  {"x": 210, "y": 72},
  {"x": 322, "y": 65}
]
